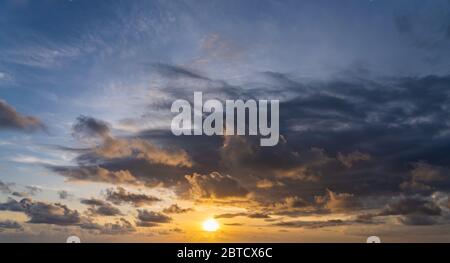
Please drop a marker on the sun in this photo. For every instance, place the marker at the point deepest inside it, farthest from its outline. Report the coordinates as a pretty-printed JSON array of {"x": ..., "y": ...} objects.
[{"x": 210, "y": 225}]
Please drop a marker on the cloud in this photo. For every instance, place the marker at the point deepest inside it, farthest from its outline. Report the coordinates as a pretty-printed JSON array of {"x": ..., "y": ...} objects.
[
  {"x": 175, "y": 209},
  {"x": 424, "y": 178},
  {"x": 215, "y": 185},
  {"x": 9, "y": 224},
  {"x": 100, "y": 208},
  {"x": 418, "y": 220},
  {"x": 150, "y": 218},
  {"x": 43, "y": 213},
  {"x": 249, "y": 215},
  {"x": 141, "y": 149},
  {"x": 338, "y": 202},
  {"x": 11, "y": 205},
  {"x": 411, "y": 205},
  {"x": 123, "y": 160},
  {"x": 314, "y": 224},
  {"x": 94, "y": 174},
  {"x": 11, "y": 119},
  {"x": 61, "y": 215},
  {"x": 120, "y": 195},
  {"x": 87, "y": 127},
  {"x": 120, "y": 227}
]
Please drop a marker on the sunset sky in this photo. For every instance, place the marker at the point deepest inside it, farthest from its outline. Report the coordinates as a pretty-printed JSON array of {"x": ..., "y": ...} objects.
[{"x": 86, "y": 147}]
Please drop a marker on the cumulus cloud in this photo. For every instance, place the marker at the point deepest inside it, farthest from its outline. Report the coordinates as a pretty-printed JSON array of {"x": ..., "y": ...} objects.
[
  {"x": 120, "y": 195},
  {"x": 150, "y": 218},
  {"x": 215, "y": 185},
  {"x": 100, "y": 208},
  {"x": 123, "y": 160},
  {"x": 43, "y": 213},
  {"x": 61, "y": 215},
  {"x": 11, "y": 119}
]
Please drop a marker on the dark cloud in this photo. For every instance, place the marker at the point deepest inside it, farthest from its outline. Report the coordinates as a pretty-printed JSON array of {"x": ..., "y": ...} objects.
[
  {"x": 175, "y": 209},
  {"x": 43, "y": 213},
  {"x": 425, "y": 178},
  {"x": 149, "y": 218},
  {"x": 125, "y": 160},
  {"x": 418, "y": 220},
  {"x": 61, "y": 215},
  {"x": 410, "y": 210},
  {"x": 411, "y": 205},
  {"x": 12, "y": 205},
  {"x": 11, "y": 119},
  {"x": 87, "y": 127},
  {"x": 352, "y": 158},
  {"x": 215, "y": 185},
  {"x": 100, "y": 208},
  {"x": 120, "y": 227},
  {"x": 120, "y": 195},
  {"x": 249, "y": 215},
  {"x": 314, "y": 224},
  {"x": 330, "y": 202}
]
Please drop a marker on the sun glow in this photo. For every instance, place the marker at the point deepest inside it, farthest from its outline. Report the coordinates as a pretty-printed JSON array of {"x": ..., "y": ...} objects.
[{"x": 210, "y": 225}]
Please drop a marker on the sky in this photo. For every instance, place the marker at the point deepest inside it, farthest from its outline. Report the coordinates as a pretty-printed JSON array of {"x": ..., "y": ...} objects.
[{"x": 85, "y": 141}]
